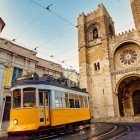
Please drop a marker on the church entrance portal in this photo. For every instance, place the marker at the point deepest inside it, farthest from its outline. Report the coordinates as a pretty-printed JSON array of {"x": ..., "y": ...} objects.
[
  {"x": 136, "y": 102},
  {"x": 129, "y": 96}
]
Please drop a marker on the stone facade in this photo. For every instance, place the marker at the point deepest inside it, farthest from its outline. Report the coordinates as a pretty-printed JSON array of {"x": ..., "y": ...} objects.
[{"x": 109, "y": 63}]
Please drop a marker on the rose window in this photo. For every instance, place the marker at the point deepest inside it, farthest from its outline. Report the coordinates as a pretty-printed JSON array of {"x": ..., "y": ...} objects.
[{"x": 128, "y": 57}]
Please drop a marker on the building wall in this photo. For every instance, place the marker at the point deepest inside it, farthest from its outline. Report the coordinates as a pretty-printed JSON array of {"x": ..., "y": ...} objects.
[
  {"x": 135, "y": 5},
  {"x": 118, "y": 46},
  {"x": 95, "y": 52},
  {"x": 101, "y": 59},
  {"x": 51, "y": 68},
  {"x": 15, "y": 56},
  {"x": 73, "y": 75}
]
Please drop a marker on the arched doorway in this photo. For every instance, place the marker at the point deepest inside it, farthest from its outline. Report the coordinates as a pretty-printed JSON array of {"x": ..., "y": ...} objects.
[
  {"x": 136, "y": 101},
  {"x": 129, "y": 96}
]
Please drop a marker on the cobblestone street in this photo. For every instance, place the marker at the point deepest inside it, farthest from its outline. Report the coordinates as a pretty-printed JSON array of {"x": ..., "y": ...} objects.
[
  {"x": 134, "y": 133},
  {"x": 102, "y": 131}
]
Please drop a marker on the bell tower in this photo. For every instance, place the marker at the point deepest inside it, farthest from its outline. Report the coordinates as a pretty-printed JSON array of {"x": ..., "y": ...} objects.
[
  {"x": 2, "y": 24},
  {"x": 95, "y": 25},
  {"x": 135, "y": 5},
  {"x": 95, "y": 29}
]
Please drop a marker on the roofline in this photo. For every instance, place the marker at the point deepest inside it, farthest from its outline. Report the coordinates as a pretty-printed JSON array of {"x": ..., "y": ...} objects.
[
  {"x": 15, "y": 43},
  {"x": 48, "y": 61},
  {"x": 2, "y": 23},
  {"x": 32, "y": 82}
]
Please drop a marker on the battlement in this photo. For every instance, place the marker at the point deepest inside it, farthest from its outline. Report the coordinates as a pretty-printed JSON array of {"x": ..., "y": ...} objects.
[
  {"x": 101, "y": 10},
  {"x": 123, "y": 36},
  {"x": 125, "y": 33}
]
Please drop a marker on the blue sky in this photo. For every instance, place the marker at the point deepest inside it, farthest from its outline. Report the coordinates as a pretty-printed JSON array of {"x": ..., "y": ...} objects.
[{"x": 17, "y": 15}]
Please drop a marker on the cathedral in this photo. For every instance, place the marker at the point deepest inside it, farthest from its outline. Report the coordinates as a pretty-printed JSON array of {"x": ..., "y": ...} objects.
[{"x": 110, "y": 64}]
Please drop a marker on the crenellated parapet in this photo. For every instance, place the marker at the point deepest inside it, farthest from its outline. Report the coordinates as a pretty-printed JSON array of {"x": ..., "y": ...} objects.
[
  {"x": 127, "y": 35},
  {"x": 98, "y": 20},
  {"x": 101, "y": 10}
]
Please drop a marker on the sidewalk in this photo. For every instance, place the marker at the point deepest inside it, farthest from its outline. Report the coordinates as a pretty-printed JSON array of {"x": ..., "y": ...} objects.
[{"x": 3, "y": 134}]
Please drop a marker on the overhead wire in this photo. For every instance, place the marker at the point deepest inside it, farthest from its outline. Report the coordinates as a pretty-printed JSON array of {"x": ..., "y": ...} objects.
[
  {"x": 59, "y": 61},
  {"x": 64, "y": 61},
  {"x": 17, "y": 43},
  {"x": 61, "y": 18},
  {"x": 77, "y": 57},
  {"x": 60, "y": 53},
  {"x": 53, "y": 38},
  {"x": 21, "y": 44},
  {"x": 30, "y": 22},
  {"x": 70, "y": 59},
  {"x": 56, "y": 60},
  {"x": 38, "y": 4},
  {"x": 48, "y": 9},
  {"x": 28, "y": 26},
  {"x": 14, "y": 40}
]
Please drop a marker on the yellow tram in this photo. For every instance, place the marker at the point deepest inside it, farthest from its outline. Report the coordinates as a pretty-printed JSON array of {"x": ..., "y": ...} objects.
[{"x": 39, "y": 103}]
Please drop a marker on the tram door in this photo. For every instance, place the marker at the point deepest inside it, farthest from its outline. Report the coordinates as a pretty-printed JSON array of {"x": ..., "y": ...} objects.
[{"x": 44, "y": 107}]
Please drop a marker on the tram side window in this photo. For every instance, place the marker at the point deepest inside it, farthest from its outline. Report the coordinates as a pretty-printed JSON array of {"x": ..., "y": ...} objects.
[
  {"x": 81, "y": 101},
  {"x": 41, "y": 99},
  {"x": 71, "y": 100},
  {"x": 77, "y": 105},
  {"x": 17, "y": 98},
  {"x": 46, "y": 99},
  {"x": 29, "y": 98},
  {"x": 85, "y": 102},
  {"x": 58, "y": 99},
  {"x": 66, "y": 100}
]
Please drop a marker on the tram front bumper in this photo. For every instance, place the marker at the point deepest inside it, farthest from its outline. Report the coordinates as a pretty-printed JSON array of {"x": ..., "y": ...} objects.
[{"x": 20, "y": 128}]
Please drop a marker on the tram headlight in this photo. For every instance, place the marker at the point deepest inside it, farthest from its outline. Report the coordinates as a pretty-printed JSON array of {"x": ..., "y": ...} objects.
[{"x": 15, "y": 122}]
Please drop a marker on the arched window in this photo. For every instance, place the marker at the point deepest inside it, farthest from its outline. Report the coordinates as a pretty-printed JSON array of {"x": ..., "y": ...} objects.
[
  {"x": 95, "y": 33},
  {"x": 111, "y": 31},
  {"x": 90, "y": 35}
]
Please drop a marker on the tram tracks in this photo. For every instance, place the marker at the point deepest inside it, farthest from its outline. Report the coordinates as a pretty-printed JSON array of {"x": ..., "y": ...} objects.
[
  {"x": 60, "y": 135},
  {"x": 53, "y": 136},
  {"x": 118, "y": 131},
  {"x": 110, "y": 132}
]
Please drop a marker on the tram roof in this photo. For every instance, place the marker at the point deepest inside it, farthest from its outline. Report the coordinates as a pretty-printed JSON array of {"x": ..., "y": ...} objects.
[{"x": 36, "y": 81}]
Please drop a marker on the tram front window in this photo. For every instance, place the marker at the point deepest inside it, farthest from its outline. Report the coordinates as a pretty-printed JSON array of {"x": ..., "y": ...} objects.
[
  {"x": 29, "y": 97},
  {"x": 16, "y": 98}
]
